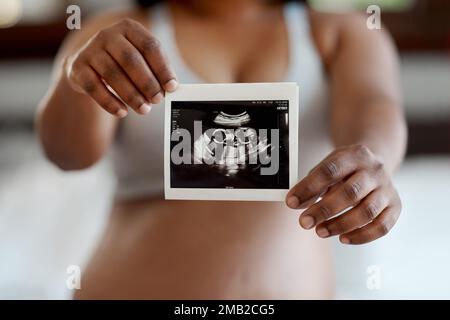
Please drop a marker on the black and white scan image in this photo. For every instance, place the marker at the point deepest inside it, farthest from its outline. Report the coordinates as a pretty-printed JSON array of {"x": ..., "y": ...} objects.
[{"x": 230, "y": 144}]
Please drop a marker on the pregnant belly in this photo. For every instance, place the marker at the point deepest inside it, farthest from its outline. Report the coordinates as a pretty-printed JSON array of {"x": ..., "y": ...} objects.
[{"x": 207, "y": 250}]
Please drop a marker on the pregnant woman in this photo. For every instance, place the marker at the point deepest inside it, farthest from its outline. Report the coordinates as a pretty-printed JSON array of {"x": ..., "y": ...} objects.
[{"x": 352, "y": 138}]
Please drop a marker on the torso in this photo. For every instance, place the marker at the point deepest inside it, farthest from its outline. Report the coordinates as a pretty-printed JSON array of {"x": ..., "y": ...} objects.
[
  {"x": 211, "y": 57},
  {"x": 188, "y": 249},
  {"x": 207, "y": 250}
]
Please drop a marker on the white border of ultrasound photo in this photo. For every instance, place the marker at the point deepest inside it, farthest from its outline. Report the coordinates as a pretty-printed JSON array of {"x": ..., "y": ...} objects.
[{"x": 226, "y": 92}]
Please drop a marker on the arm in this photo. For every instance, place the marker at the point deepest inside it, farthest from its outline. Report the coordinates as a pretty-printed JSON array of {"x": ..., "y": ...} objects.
[
  {"x": 77, "y": 118},
  {"x": 368, "y": 129},
  {"x": 366, "y": 95}
]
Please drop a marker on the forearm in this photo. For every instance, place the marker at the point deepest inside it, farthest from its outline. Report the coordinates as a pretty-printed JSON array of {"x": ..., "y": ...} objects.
[
  {"x": 379, "y": 125},
  {"x": 74, "y": 131},
  {"x": 366, "y": 93}
]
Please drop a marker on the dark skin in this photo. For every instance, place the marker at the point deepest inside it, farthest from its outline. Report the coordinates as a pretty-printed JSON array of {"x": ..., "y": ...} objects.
[
  {"x": 350, "y": 177},
  {"x": 366, "y": 120}
]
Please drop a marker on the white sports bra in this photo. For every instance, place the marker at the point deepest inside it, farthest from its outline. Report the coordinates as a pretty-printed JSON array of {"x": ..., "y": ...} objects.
[{"x": 139, "y": 146}]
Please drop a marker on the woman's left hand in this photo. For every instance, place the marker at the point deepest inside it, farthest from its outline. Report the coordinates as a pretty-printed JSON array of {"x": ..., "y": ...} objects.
[{"x": 351, "y": 178}]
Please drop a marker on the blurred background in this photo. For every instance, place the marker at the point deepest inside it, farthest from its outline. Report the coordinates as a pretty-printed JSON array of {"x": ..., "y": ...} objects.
[{"x": 51, "y": 219}]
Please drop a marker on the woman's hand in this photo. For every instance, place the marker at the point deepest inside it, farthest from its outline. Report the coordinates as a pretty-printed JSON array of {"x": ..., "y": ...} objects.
[
  {"x": 350, "y": 177},
  {"x": 128, "y": 59}
]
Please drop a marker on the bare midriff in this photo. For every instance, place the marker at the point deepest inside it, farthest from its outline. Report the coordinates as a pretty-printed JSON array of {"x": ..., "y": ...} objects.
[{"x": 156, "y": 249}]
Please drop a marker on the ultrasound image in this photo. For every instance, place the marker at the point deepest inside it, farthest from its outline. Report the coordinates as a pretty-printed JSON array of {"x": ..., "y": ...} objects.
[{"x": 231, "y": 144}]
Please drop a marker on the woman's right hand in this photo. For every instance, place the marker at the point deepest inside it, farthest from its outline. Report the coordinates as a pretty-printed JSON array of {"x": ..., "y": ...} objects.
[{"x": 129, "y": 60}]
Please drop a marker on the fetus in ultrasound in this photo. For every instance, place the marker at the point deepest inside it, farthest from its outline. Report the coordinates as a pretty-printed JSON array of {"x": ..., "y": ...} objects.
[{"x": 231, "y": 145}]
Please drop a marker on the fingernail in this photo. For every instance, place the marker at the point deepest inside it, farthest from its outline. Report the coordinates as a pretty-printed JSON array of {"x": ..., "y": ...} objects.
[
  {"x": 145, "y": 108},
  {"x": 307, "y": 222},
  {"x": 292, "y": 202},
  {"x": 157, "y": 98},
  {"x": 322, "y": 232},
  {"x": 171, "y": 85},
  {"x": 121, "y": 113},
  {"x": 345, "y": 240}
]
